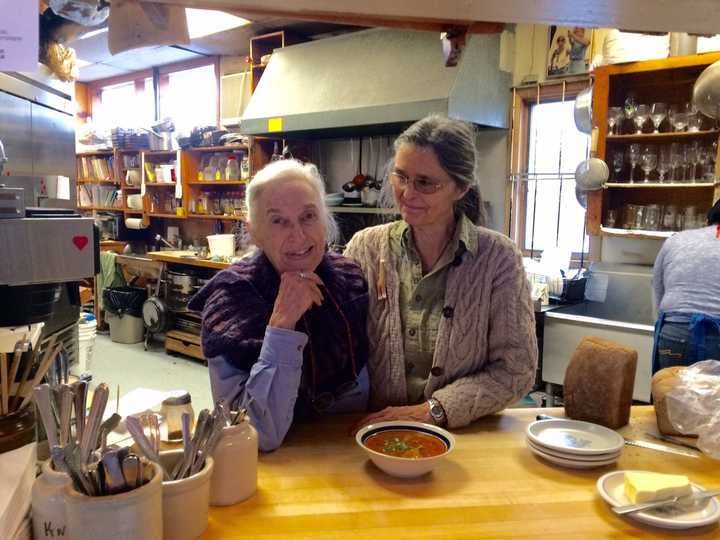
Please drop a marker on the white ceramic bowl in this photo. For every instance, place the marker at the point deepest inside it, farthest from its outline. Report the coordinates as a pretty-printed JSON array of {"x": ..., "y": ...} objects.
[{"x": 400, "y": 466}]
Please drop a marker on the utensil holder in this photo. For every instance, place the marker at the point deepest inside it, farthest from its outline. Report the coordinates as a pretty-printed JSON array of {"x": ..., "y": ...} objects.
[
  {"x": 236, "y": 458},
  {"x": 133, "y": 515},
  {"x": 186, "y": 501},
  {"x": 17, "y": 429},
  {"x": 49, "y": 518}
]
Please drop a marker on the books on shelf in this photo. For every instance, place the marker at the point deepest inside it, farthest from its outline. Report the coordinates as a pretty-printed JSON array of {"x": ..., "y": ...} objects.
[
  {"x": 97, "y": 168},
  {"x": 99, "y": 196}
]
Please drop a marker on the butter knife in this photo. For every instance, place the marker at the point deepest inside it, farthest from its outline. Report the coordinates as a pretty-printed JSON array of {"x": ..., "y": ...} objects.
[
  {"x": 672, "y": 440},
  {"x": 661, "y": 448},
  {"x": 683, "y": 501}
]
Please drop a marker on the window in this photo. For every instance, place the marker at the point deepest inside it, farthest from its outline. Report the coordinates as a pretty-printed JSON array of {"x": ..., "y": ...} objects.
[
  {"x": 547, "y": 147},
  {"x": 127, "y": 104},
  {"x": 196, "y": 86}
]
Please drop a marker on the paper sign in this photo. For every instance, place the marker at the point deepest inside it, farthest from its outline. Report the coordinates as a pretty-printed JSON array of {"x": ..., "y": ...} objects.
[{"x": 19, "y": 35}]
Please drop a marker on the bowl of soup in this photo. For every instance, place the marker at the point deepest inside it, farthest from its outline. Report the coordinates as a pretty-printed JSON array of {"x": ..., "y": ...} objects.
[{"x": 403, "y": 448}]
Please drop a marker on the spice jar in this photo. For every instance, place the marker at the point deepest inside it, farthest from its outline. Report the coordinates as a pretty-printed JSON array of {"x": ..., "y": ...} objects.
[
  {"x": 172, "y": 409},
  {"x": 234, "y": 477}
]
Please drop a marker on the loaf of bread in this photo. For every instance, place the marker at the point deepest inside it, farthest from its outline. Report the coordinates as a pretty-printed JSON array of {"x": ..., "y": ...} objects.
[
  {"x": 599, "y": 382},
  {"x": 663, "y": 382}
]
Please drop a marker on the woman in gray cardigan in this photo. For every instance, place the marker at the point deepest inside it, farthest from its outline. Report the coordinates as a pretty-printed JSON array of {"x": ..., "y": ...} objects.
[{"x": 451, "y": 325}]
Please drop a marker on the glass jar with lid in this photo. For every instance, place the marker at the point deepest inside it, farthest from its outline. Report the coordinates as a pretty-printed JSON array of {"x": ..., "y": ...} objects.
[{"x": 172, "y": 409}]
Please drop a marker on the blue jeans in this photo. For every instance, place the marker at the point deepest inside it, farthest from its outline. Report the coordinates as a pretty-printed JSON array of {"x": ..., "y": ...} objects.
[{"x": 684, "y": 343}]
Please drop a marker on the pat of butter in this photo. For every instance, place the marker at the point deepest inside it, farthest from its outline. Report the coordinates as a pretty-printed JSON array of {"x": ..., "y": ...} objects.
[{"x": 643, "y": 487}]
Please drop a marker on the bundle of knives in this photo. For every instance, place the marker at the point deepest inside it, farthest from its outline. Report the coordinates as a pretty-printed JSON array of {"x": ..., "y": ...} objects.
[{"x": 94, "y": 468}]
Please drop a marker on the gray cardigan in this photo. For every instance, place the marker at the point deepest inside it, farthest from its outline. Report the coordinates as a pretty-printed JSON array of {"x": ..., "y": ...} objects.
[{"x": 486, "y": 351}]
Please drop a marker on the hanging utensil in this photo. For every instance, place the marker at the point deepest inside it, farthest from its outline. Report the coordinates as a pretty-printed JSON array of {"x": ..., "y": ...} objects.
[
  {"x": 583, "y": 111},
  {"x": 591, "y": 174}
]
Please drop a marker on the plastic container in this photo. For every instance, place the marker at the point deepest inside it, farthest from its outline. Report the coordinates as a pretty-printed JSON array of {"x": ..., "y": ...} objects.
[
  {"x": 87, "y": 330},
  {"x": 125, "y": 328},
  {"x": 185, "y": 502},
  {"x": 222, "y": 245},
  {"x": 232, "y": 169},
  {"x": 236, "y": 457},
  {"x": 49, "y": 518},
  {"x": 133, "y": 515}
]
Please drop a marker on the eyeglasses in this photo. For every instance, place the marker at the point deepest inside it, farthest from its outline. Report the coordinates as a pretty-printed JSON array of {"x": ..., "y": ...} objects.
[{"x": 421, "y": 185}]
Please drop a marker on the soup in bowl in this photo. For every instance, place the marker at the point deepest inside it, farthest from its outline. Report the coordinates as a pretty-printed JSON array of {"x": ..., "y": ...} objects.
[{"x": 403, "y": 448}]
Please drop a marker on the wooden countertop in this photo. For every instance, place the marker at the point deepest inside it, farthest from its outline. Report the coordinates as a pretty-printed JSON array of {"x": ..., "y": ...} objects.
[
  {"x": 319, "y": 484},
  {"x": 181, "y": 257}
]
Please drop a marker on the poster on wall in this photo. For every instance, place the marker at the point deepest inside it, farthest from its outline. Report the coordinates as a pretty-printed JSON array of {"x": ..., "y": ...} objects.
[
  {"x": 19, "y": 35},
  {"x": 569, "y": 51}
]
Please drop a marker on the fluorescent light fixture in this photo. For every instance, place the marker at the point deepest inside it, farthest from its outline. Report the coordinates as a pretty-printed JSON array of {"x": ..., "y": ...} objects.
[
  {"x": 92, "y": 33},
  {"x": 204, "y": 22},
  {"x": 82, "y": 63}
]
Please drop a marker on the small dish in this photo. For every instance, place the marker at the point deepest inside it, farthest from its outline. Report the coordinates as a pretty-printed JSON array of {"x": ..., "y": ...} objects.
[
  {"x": 574, "y": 457},
  {"x": 572, "y": 463},
  {"x": 611, "y": 488},
  {"x": 403, "y": 467},
  {"x": 574, "y": 437}
]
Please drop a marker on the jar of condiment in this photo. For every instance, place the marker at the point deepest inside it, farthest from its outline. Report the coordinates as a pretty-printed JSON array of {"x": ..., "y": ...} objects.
[
  {"x": 234, "y": 477},
  {"x": 172, "y": 409},
  {"x": 48, "y": 505}
]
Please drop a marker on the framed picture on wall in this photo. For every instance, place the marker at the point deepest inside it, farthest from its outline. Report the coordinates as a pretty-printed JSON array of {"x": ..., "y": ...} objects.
[{"x": 569, "y": 51}]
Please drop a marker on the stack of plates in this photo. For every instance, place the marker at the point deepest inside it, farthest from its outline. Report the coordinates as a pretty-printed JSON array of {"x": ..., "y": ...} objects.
[{"x": 574, "y": 444}]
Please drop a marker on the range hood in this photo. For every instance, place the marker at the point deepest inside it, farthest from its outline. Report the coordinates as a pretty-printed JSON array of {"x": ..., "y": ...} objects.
[{"x": 376, "y": 81}]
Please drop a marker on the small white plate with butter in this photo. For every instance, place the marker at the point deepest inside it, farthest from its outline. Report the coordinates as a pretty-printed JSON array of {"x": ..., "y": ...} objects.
[{"x": 611, "y": 487}]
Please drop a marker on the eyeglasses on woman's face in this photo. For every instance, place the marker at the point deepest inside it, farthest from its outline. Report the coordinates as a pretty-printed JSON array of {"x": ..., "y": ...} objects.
[{"x": 421, "y": 184}]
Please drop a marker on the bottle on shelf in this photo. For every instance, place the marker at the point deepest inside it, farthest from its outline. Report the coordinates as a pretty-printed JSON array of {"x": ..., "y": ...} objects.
[
  {"x": 276, "y": 153},
  {"x": 245, "y": 168},
  {"x": 232, "y": 169}
]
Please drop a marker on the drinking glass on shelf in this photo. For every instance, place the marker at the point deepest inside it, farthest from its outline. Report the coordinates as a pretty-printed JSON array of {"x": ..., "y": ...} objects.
[
  {"x": 676, "y": 158},
  {"x": 658, "y": 112},
  {"x": 680, "y": 121},
  {"x": 617, "y": 165},
  {"x": 651, "y": 217},
  {"x": 642, "y": 113},
  {"x": 691, "y": 158},
  {"x": 648, "y": 161},
  {"x": 689, "y": 107},
  {"x": 611, "y": 219},
  {"x": 703, "y": 157},
  {"x": 689, "y": 217},
  {"x": 694, "y": 122},
  {"x": 669, "y": 217},
  {"x": 633, "y": 157},
  {"x": 664, "y": 163},
  {"x": 629, "y": 106},
  {"x": 615, "y": 116},
  {"x": 628, "y": 216}
]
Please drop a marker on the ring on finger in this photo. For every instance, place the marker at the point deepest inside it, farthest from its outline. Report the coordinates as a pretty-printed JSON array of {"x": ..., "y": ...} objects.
[{"x": 302, "y": 275}]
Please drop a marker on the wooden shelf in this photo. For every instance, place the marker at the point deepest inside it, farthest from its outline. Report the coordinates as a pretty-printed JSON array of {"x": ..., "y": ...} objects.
[
  {"x": 226, "y": 148},
  {"x": 130, "y": 188},
  {"x": 160, "y": 184},
  {"x": 165, "y": 216},
  {"x": 100, "y": 208},
  {"x": 95, "y": 154},
  {"x": 655, "y": 185},
  {"x": 98, "y": 182},
  {"x": 218, "y": 183},
  {"x": 211, "y": 216},
  {"x": 636, "y": 233},
  {"x": 661, "y": 137},
  {"x": 133, "y": 212},
  {"x": 159, "y": 152},
  {"x": 362, "y": 210}
]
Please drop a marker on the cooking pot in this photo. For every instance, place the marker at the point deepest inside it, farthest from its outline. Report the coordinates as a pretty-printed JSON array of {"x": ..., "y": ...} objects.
[
  {"x": 591, "y": 174},
  {"x": 181, "y": 282},
  {"x": 583, "y": 111}
]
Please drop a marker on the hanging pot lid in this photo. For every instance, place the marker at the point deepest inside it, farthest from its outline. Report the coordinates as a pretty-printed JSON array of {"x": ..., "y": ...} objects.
[
  {"x": 706, "y": 91},
  {"x": 583, "y": 111},
  {"x": 591, "y": 174},
  {"x": 581, "y": 197}
]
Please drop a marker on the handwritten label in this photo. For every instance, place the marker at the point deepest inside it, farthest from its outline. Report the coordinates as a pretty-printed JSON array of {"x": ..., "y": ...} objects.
[{"x": 19, "y": 35}]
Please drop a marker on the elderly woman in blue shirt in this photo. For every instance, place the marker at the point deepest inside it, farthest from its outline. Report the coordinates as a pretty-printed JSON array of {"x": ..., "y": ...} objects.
[{"x": 284, "y": 329}]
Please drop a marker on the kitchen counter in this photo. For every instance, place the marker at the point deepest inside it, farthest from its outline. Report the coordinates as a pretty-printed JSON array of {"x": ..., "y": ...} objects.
[
  {"x": 319, "y": 484},
  {"x": 185, "y": 257}
]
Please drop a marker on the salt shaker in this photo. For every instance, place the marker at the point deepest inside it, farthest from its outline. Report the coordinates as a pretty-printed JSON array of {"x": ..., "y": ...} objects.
[
  {"x": 48, "y": 505},
  {"x": 172, "y": 409},
  {"x": 234, "y": 476}
]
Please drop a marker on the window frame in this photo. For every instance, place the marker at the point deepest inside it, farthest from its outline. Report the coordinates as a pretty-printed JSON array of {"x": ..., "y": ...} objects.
[
  {"x": 523, "y": 98},
  {"x": 138, "y": 77}
]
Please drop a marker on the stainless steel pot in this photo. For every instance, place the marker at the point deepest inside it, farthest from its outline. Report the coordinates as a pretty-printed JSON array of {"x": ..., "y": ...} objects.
[
  {"x": 583, "y": 111},
  {"x": 182, "y": 283}
]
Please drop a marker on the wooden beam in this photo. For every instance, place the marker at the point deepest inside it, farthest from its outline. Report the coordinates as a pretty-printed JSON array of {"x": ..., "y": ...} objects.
[{"x": 699, "y": 16}]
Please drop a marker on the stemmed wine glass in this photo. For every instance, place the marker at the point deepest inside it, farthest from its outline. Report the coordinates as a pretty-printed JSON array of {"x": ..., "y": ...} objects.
[
  {"x": 641, "y": 115},
  {"x": 615, "y": 116},
  {"x": 658, "y": 112},
  {"x": 617, "y": 163},
  {"x": 648, "y": 161},
  {"x": 680, "y": 121},
  {"x": 664, "y": 163},
  {"x": 633, "y": 156},
  {"x": 691, "y": 158},
  {"x": 703, "y": 157}
]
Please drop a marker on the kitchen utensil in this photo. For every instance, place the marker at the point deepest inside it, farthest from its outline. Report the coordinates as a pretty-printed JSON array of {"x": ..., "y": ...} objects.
[
  {"x": 20, "y": 347},
  {"x": 112, "y": 468},
  {"x": 42, "y": 400},
  {"x": 80, "y": 402},
  {"x": 591, "y": 174},
  {"x": 94, "y": 419},
  {"x": 131, "y": 471},
  {"x": 48, "y": 357},
  {"x": 181, "y": 281},
  {"x": 672, "y": 440},
  {"x": 4, "y": 385},
  {"x": 661, "y": 448},
  {"x": 581, "y": 197},
  {"x": 680, "y": 502},
  {"x": 583, "y": 111},
  {"x": 66, "y": 407}
]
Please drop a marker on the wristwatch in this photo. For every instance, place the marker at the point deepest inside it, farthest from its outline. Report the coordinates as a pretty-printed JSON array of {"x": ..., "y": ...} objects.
[{"x": 437, "y": 412}]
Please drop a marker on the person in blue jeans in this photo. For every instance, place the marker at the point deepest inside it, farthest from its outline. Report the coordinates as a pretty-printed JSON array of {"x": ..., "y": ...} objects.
[
  {"x": 686, "y": 282},
  {"x": 284, "y": 330}
]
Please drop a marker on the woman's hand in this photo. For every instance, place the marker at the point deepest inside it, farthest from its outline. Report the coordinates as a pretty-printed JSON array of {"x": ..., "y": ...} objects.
[
  {"x": 417, "y": 413},
  {"x": 299, "y": 291}
]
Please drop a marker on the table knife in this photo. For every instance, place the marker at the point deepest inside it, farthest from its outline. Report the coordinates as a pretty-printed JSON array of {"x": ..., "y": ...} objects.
[
  {"x": 672, "y": 440},
  {"x": 687, "y": 500},
  {"x": 661, "y": 448}
]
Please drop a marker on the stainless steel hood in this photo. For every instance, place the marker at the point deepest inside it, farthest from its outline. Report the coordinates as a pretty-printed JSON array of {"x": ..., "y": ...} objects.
[{"x": 375, "y": 80}]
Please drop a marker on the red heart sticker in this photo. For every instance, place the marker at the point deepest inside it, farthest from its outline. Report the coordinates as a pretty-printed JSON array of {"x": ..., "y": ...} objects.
[{"x": 80, "y": 242}]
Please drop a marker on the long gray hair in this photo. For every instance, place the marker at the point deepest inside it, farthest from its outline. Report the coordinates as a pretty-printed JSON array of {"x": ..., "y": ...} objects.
[
  {"x": 286, "y": 170},
  {"x": 453, "y": 142}
]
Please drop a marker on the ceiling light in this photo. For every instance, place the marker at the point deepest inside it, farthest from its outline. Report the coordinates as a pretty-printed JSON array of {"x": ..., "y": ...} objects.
[
  {"x": 204, "y": 22},
  {"x": 92, "y": 33}
]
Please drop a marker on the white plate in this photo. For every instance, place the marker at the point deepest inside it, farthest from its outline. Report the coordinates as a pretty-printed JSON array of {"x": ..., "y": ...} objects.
[
  {"x": 575, "y": 437},
  {"x": 574, "y": 457},
  {"x": 572, "y": 463},
  {"x": 611, "y": 487}
]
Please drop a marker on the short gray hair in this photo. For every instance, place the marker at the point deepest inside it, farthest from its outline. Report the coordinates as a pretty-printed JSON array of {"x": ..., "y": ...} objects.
[{"x": 285, "y": 170}]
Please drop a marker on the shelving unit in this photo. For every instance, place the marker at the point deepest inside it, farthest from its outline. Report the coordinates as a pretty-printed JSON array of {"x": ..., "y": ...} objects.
[
  {"x": 668, "y": 81},
  {"x": 264, "y": 45}
]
